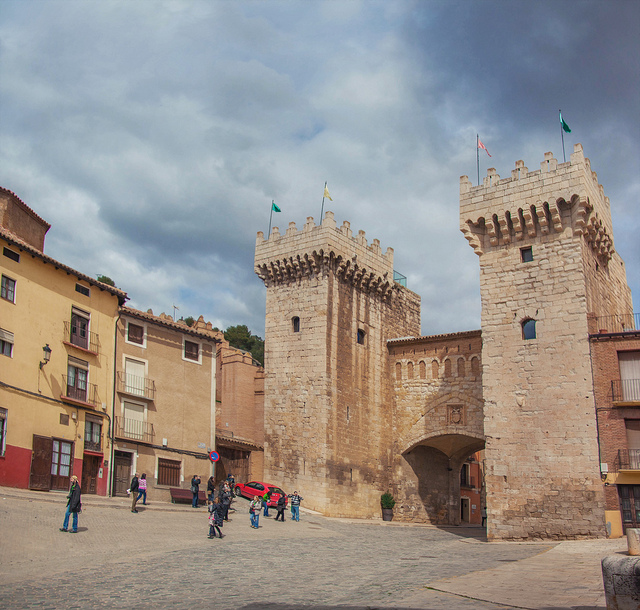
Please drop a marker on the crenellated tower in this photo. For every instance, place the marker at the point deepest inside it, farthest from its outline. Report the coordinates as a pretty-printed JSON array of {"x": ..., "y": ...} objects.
[
  {"x": 332, "y": 304},
  {"x": 547, "y": 260}
]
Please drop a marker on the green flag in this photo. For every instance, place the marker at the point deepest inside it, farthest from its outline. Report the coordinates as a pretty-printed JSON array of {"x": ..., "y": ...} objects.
[
  {"x": 275, "y": 208},
  {"x": 564, "y": 125}
]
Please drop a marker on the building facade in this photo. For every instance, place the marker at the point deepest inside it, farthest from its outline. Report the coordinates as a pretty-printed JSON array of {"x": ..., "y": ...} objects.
[{"x": 57, "y": 328}]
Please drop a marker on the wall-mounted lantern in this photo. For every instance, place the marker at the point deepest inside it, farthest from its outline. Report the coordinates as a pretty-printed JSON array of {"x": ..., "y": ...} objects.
[{"x": 46, "y": 354}]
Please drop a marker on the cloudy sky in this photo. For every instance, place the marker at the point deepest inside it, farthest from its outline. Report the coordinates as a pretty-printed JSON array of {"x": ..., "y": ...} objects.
[{"x": 153, "y": 135}]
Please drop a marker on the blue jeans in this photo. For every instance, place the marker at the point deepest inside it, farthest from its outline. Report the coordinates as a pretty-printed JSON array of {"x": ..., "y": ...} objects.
[
  {"x": 295, "y": 513},
  {"x": 194, "y": 502},
  {"x": 141, "y": 493},
  {"x": 65, "y": 525},
  {"x": 255, "y": 518},
  {"x": 266, "y": 509}
]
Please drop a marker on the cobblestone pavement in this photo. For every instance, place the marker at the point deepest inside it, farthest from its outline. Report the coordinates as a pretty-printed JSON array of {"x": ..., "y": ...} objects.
[{"x": 161, "y": 557}]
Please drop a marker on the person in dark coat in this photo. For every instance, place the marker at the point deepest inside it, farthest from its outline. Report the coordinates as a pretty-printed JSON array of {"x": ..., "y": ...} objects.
[
  {"x": 74, "y": 506},
  {"x": 133, "y": 489},
  {"x": 211, "y": 488},
  {"x": 282, "y": 504},
  {"x": 226, "y": 501},
  {"x": 216, "y": 513},
  {"x": 195, "y": 490}
]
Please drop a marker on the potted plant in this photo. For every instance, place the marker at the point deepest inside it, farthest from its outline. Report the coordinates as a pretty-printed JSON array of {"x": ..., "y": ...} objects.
[{"x": 387, "y": 502}]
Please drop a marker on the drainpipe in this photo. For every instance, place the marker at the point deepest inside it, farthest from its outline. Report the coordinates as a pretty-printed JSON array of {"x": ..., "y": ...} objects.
[{"x": 113, "y": 406}]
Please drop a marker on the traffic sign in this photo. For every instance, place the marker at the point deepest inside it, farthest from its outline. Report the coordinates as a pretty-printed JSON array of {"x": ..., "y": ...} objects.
[{"x": 213, "y": 456}]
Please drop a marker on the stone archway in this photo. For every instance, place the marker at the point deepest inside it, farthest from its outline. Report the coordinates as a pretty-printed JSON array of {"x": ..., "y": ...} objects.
[{"x": 431, "y": 468}]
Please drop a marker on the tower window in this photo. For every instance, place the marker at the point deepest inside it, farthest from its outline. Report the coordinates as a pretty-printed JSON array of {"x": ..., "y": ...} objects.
[
  {"x": 360, "y": 336},
  {"x": 526, "y": 254},
  {"x": 529, "y": 329},
  {"x": 295, "y": 323}
]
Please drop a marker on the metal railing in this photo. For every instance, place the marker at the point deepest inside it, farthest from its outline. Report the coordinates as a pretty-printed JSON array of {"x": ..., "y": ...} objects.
[
  {"x": 620, "y": 323},
  {"x": 627, "y": 459},
  {"x": 134, "y": 429},
  {"x": 87, "y": 394},
  {"x": 625, "y": 390},
  {"x": 86, "y": 340},
  {"x": 136, "y": 386}
]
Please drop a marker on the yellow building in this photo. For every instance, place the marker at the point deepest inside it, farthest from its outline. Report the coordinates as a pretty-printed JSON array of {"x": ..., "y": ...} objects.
[{"x": 57, "y": 361}]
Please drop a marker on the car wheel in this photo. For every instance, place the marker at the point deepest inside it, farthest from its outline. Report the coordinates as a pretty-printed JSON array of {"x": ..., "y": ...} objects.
[{"x": 238, "y": 492}]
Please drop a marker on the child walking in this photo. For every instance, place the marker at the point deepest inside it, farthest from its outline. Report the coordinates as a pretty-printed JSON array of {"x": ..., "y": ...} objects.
[{"x": 216, "y": 515}]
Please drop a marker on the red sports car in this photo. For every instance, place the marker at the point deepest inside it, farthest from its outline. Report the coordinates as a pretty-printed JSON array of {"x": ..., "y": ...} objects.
[{"x": 259, "y": 488}]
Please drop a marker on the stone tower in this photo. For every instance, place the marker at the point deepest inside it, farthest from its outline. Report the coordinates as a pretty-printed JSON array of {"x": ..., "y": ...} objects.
[
  {"x": 332, "y": 304},
  {"x": 547, "y": 260}
]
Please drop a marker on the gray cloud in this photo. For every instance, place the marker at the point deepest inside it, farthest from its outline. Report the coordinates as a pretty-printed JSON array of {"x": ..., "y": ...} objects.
[{"x": 154, "y": 135}]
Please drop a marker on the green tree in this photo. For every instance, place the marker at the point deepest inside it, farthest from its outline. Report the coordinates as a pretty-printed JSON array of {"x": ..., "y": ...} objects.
[
  {"x": 240, "y": 336},
  {"x": 105, "y": 279}
]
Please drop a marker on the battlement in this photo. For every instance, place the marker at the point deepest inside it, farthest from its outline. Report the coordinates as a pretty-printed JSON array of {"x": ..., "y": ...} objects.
[
  {"x": 556, "y": 197},
  {"x": 317, "y": 248}
]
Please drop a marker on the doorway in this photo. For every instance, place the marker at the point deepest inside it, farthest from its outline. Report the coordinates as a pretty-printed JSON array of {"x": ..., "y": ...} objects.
[
  {"x": 90, "y": 469},
  {"x": 122, "y": 463},
  {"x": 464, "y": 510},
  {"x": 629, "y": 505}
]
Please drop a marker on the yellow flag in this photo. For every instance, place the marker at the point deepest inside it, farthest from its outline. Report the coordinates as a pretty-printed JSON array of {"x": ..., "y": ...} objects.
[{"x": 326, "y": 193}]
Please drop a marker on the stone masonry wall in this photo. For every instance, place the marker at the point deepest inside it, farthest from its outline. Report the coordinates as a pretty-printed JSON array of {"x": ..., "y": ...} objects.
[
  {"x": 438, "y": 422},
  {"x": 542, "y": 469},
  {"x": 327, "y": 409}
]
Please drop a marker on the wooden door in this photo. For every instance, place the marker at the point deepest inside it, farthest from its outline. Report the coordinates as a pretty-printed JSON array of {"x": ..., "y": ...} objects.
[
  {"x": 90, "y": 468},
  {"x": 41, "y": 463},
  {"x": 121, "y": 473}
]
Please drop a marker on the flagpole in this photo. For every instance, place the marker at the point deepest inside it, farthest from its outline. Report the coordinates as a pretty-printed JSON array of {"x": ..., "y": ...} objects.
[
  {"x": 322, "y": 208},
  {"x": 562, "y": 135},
  {"x": 478, "y": 156},
  {"x": 270, "y": 217}
]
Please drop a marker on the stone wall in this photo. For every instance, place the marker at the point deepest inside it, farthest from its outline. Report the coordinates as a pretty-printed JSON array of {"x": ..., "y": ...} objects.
[
  {"x": 438, "y": 422},
  {"x": 542, "y": 461},
  {"x": 327, "y": 400}
]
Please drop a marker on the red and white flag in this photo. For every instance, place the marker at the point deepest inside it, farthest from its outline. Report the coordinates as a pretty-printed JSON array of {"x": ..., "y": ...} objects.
[{"x": 481, "y": 145}]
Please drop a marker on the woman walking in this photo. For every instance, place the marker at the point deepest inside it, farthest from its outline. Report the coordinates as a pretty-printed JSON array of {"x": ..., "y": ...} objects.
[
  {"x": 74, "y": 506},
  {"x": 142, "y": 489},
  {"x": 195, "y": 490}
]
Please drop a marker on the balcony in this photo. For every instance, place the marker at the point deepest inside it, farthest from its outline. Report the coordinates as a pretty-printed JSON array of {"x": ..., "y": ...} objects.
[
  {"x": 627, "y": 459},
  {"x": 81, "y": 338},
  {"x": 626, "y": 391},
  {"x": 142, "y": 387},
  {"x": 80, "y": 393},
  {"x": 620, "y": 323},
  {"x": 468, "y": 482},
  {"x": 134, "y": 430}
]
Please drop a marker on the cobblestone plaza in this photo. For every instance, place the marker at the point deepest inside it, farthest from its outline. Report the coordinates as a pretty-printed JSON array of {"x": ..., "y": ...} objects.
[{"x": 161, "y": 557}]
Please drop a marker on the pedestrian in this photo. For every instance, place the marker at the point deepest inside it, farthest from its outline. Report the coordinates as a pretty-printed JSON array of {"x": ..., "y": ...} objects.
[
  {"x": 195, "y": 490},
  {"x": 226, "y": 501},
  {"x": 295, "y": 506},
  {"x": 215, "y": 518},
  {"x": 142, "y": 489},
  {"x": 74, "y": 506},
  {"x": 483, "y": 512},
  {"x": 265, "y": 503},
  {"x": 211, "y": 488},
  {"x": 254, "y": 511},
  {"x": 133, "y": 490},
  {"x": 282, "y": 504}
]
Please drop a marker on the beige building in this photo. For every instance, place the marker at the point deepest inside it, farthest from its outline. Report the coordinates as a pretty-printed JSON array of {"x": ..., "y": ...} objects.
[
  {"x": 57, "y": 331},
  {"x": 164, "y": 412}
]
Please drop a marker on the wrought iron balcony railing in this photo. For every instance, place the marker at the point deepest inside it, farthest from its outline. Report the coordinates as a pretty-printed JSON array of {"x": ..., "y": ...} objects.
[
  {"x": 86, "y": 392},
  {"x": 626, "y": 390},
  {"x": 134, "y": 429},
  {"x": 627, "y": 459},
  {"x": 84, "y": 339},
  {"x": 620, "y": 323},
  {"x": 136, "y": 386}
]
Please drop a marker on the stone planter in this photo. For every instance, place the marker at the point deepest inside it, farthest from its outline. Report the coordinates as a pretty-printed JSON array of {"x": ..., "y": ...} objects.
[{"x": 387, "y": 514}]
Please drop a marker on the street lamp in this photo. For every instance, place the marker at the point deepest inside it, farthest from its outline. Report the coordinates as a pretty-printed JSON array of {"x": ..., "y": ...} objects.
[{"x": 46, "y": 354}]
